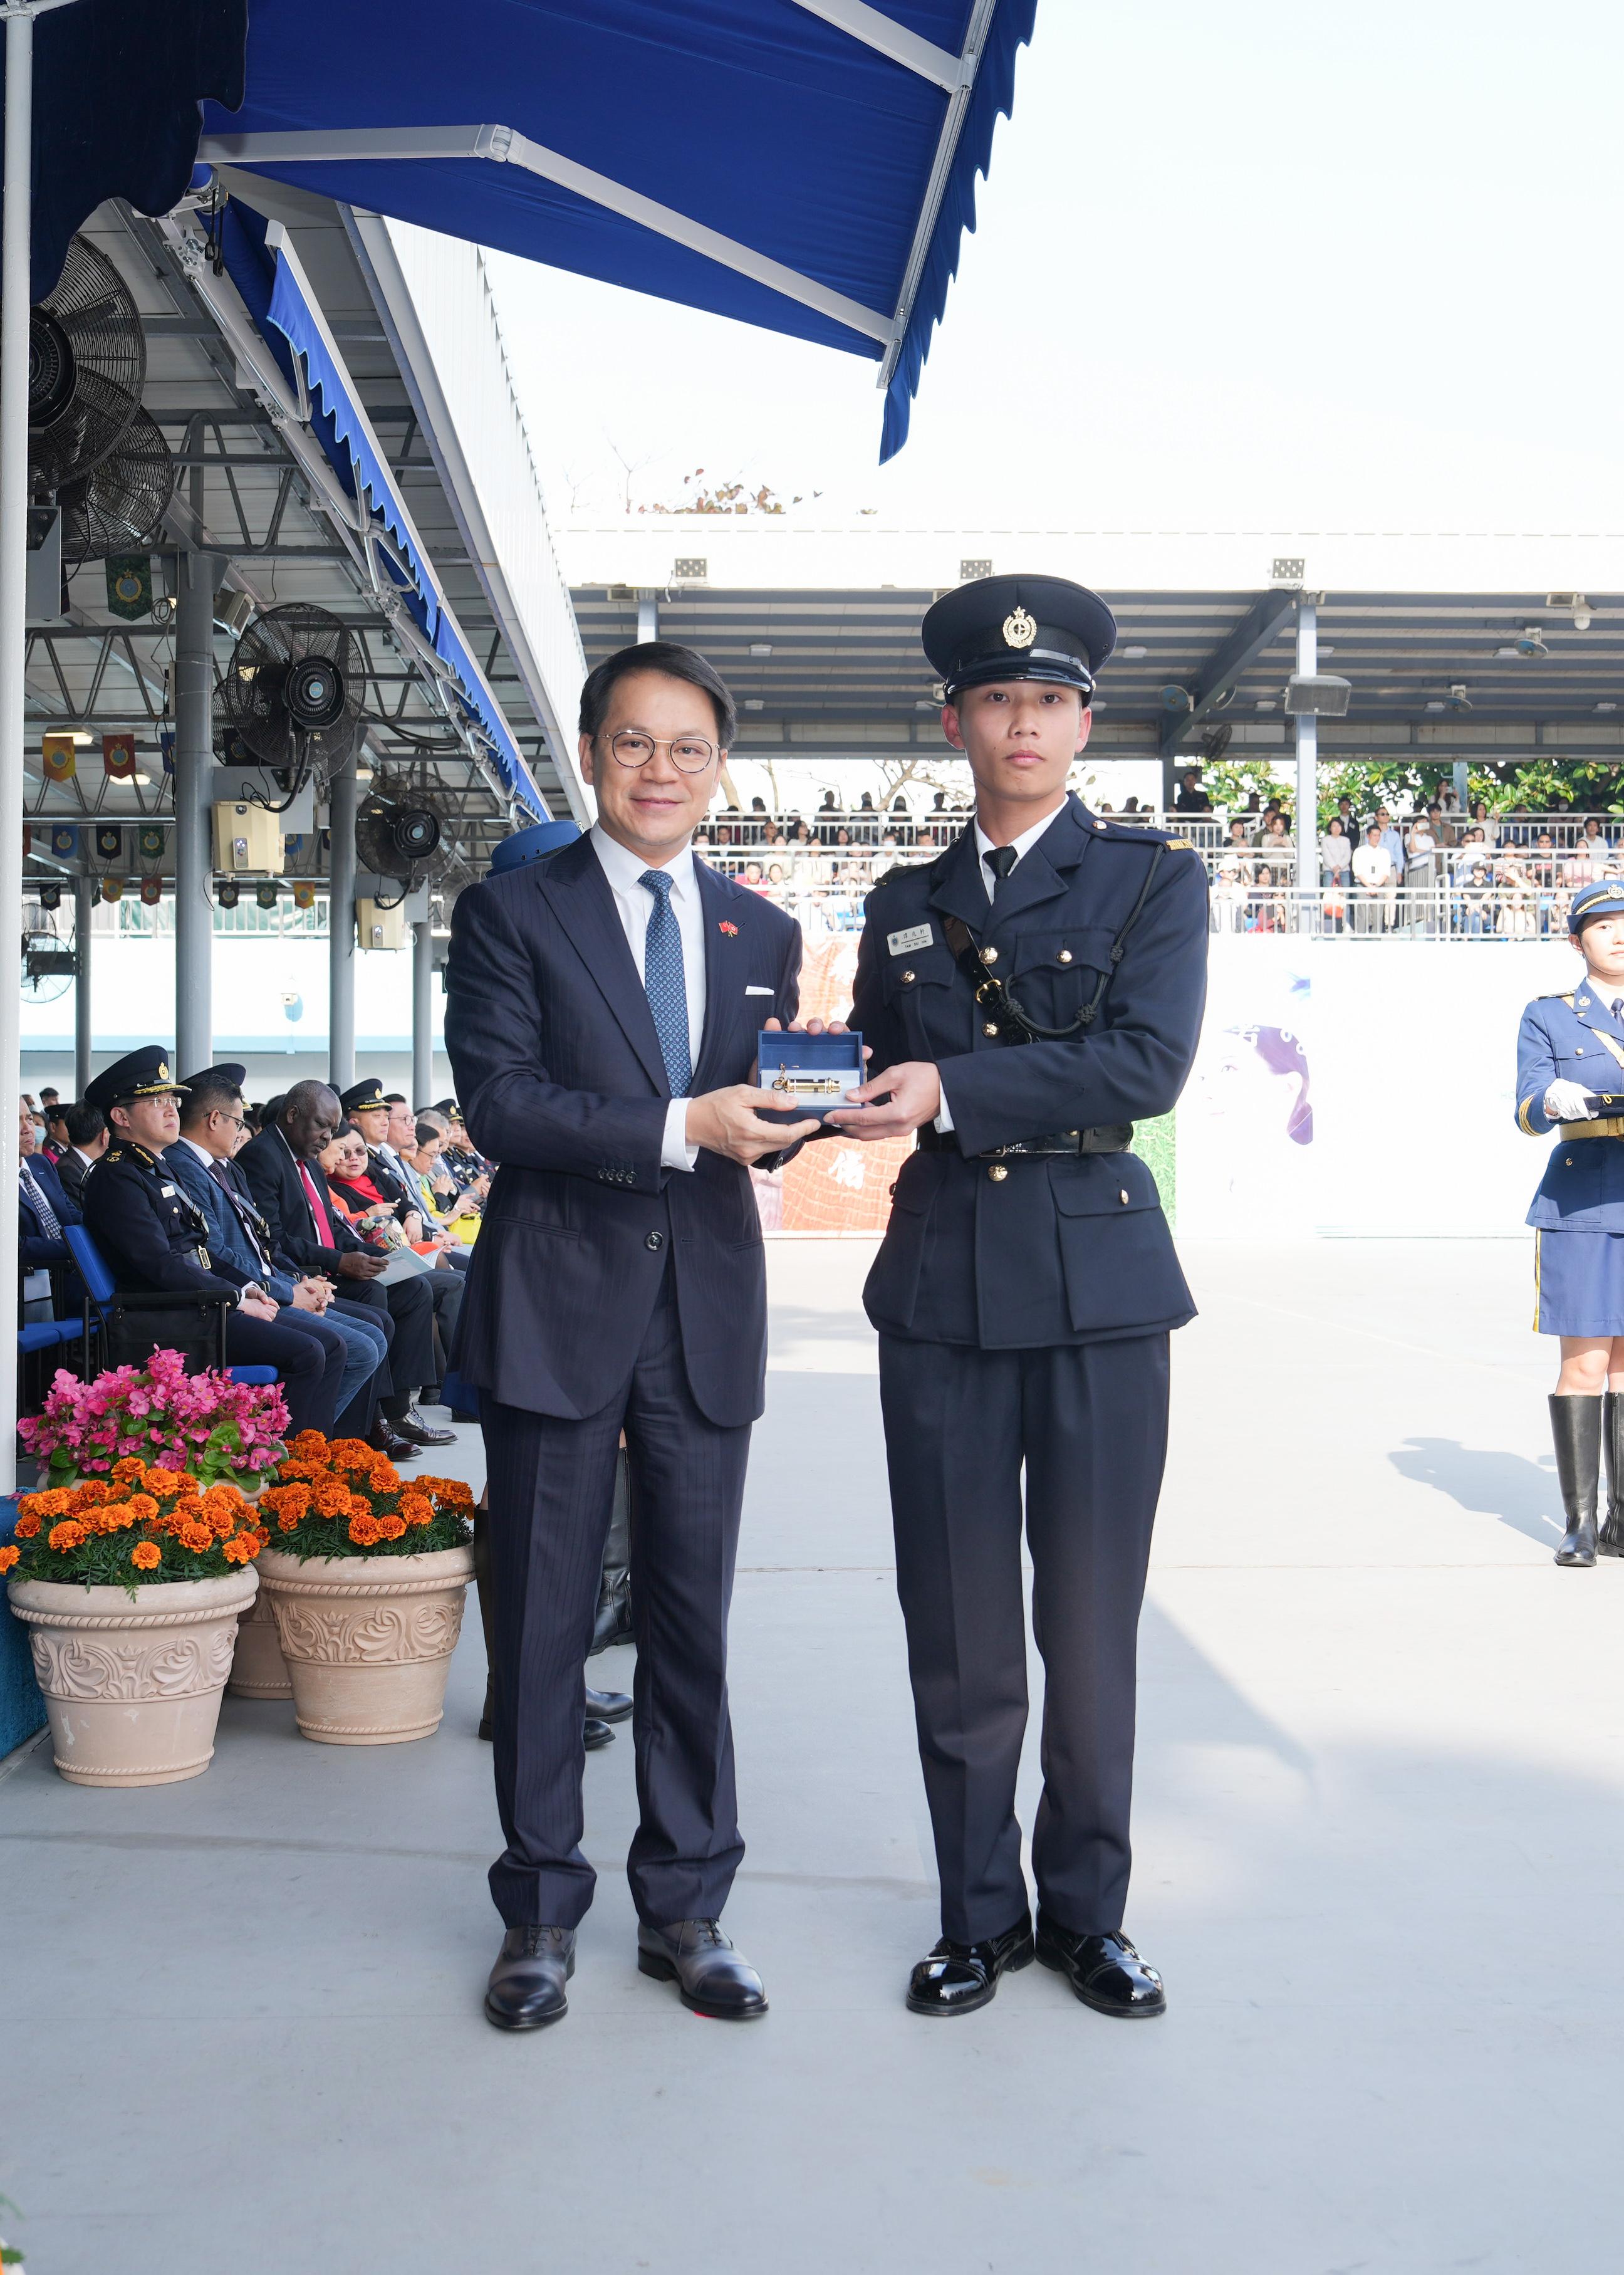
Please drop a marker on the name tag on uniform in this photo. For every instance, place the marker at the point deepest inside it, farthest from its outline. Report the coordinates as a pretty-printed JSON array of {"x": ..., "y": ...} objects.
[
  {"x": 902, "y": 943},
  {"x": 166, "y": 1192}
]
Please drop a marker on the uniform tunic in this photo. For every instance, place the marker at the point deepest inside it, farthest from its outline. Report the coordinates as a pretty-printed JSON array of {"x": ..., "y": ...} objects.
[
  {"x": 1578, "y": 1211},
  {"x": 1023, "y": 1304}
]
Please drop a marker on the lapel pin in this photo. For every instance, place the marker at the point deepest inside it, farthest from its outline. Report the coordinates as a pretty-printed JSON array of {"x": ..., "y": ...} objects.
[{"x": 730, "y": 929}]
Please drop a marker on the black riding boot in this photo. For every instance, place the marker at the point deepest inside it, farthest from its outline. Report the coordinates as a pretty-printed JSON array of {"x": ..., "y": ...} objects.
[
  {"x": 1575, "y": 1430},
  {"x": 1611, "y": 1542},
  {"x": 482, "y": 1588},
  {"x": 613, "y": 1621}
]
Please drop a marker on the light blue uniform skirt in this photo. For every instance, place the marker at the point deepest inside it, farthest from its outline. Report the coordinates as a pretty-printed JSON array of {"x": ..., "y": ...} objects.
[{"x": 1578, "y": 1284}]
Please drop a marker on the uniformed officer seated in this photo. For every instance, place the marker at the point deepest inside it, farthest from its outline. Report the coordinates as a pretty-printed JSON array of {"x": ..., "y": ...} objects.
[{"x": 155, "y": 1238}]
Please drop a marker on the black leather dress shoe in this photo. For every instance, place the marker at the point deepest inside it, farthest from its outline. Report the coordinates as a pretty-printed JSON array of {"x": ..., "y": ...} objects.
[
  {"x": 526, "y": 1986},
  {"x": 596, "y": 1733},
  {"x": 385, "y": 1439},
  {"x": 608, "y": 1706},
  {"x": 1106, "y": 1971},
  {"x": 711, "y": 1977},
  {"x": 412, "y": 1425},
  {"x": 958, "y": 1977}
]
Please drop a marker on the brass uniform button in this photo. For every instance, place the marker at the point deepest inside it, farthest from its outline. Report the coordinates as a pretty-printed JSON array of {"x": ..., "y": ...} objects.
[
  {"x": 1122, "y": 1197},
  {"x": 1071, "y": 1133},
  {"x": 907, "y": 980},
  {"x": 989, "y": 955},
  {"x": 989, "y": 1026},
  {"x": 998, "y": 1173},
  {"x": 1064, "y": 957}
]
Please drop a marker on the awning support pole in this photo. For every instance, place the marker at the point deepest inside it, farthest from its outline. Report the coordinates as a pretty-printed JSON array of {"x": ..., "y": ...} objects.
[
  {"x": 1308, "y": 766},
  {"x": 14, "y": 304},
  {"x": 84, "y": 1012},
  {"x": 343, "y": 798},
  {"x": 194, "y": 762},
  {"x": 423, "y": 1015}
]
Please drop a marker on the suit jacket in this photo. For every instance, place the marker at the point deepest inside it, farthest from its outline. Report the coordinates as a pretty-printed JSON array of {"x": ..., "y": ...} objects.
[
  {"x": 1068, "y": 1248},
  {"x": 71, "y": 1171},
  {"x": 559, "y": 1077},
  {"x": 36, "y": 1246},
  {"x": 1575, "y": 1038},
  {"x": 267, "y": 1161},
  {"x": 230, "y": 1250}
]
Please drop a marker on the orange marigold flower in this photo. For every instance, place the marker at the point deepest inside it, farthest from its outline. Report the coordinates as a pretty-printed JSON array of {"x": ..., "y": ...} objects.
[
  {"x": 69, "y": 1534},
  {"x": 9, "y": 1555},
  {"x": 144, "y": 1505},
  {"x": 197, "y": 1538},
  {"x": 391, "y": 1527},
  {"x": 242, "y": 1549},
  {"x": 91, "y": 1494},
  {"x": 310, "y": 1444},
  {"x": 146, "y": 1555},
  {"x": 29, "y": 1526},
  {"x": 288, "y": 1520},
  {"x": 54, "y": 1503},
  {"x": 127, "y": 1471},
  {"x": 364, "y": 1528}
]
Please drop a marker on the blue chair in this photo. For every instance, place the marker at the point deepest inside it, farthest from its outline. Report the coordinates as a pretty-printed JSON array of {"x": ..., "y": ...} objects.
[{"x": 107, "y": 1308}]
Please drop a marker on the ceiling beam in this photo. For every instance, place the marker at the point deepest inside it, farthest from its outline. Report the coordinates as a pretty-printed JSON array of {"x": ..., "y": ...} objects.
[
  {"x": 1258, "y": 630},
  {"x": 886, "y": 34}
]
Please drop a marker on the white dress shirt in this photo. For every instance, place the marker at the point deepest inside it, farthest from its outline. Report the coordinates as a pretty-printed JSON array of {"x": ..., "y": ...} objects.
[
  {"x": 634, "y": 904},
  {"x": 1023, "y": 845}
]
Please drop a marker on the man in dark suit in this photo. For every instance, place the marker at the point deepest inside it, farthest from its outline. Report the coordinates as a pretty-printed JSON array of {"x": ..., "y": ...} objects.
[
  {"x": 601, "y": 1021},
  {"x": 1028, "y": 995},
  {"x": 308, "y": 1232},
  {"x": 211, "y": 1121},
  {"x": 43, "y": 1206},
  {"x": 87, "y": 1142}
]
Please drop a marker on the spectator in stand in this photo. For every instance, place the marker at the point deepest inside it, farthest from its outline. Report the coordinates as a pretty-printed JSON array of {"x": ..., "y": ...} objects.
[
  {"x": 1484, "y": 821},
  {"x": 775, "y": 878},
  {"x": 1191, "y": 799},
  {"x": 1278, "y": 851},
  {"x": 1261, "y": 826},
  {"x": 1335, "y": 854},
  {"x": 1230, "y": 896},
  {"x": 1469, "y": 874},
  {"x": 752, "y": 877},
  {"x": 1421, "y": 874},
  {"x": 1393, "y": 845},
  {"x": 1515, "y": 917},
  {"x": 757, "y": 822},
  {"x": 1376, "y": 905},
  {"x": 1348, "y": 819},
  {"x": 1239, "y": 844},
  {"x": 87, "y": 1131}
]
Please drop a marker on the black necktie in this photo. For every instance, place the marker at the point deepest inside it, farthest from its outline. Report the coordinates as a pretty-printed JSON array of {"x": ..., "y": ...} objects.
[{"x": 1000, "y": 860}]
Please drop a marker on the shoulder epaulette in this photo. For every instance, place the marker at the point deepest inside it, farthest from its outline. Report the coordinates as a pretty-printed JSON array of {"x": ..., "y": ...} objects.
[
  {"x": 901, "y": 869},
  {"x": 1555, "y": 998}
]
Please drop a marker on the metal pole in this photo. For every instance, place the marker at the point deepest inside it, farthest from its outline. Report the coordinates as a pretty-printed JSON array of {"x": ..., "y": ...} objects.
[
  {"x": 423, "y": 1015},
  {"x": 1308, "y": 770},
  {"x": 194, "y": 761},
  {"x": 84, "y": 901},
  {"x": 343, "y": 798},
  {"x": 648, "y": 614},
  {"x": 14, "y": 303}
]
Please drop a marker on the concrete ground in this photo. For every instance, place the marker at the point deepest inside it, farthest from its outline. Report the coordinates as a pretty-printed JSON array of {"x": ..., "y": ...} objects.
[{"x": 1378, "y": 1840}]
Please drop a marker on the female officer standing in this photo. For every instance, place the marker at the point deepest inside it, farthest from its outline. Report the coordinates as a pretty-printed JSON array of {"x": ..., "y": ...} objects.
[{"x": 1570, "y": 1078}]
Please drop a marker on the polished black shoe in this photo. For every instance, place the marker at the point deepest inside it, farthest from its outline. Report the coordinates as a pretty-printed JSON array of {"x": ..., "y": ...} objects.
[
  {"x": 958, "y": 1977},
  {"x": 1106, "y": 1971},
  {"x": 385, "y": 1439},
  {"x": 608, "y": 1706},
  {"x": 412, "y": 1425},
  {"x": 595, "y": 1734},
  {"x": 710, "y": 1976},
  {"x": 526, "y": 1986}
]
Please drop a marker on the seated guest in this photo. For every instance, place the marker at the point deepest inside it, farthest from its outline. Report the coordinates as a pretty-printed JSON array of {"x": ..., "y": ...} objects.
[
  {"x": 56, "y": 1130},
  {"x": 461, "y": 1156},
  {"x": 366, "y": 1107},
  {"x": 154, "y": 1237},
  {"x": 307, "y": 1231},
  {"x": 438, "y": 1192},
  {"x": 347, "y": 1168},
  {"x": 42, "y": 1206},
  {"x": 239, "y": 1245},
  {"x": 87, "y": 1142}
]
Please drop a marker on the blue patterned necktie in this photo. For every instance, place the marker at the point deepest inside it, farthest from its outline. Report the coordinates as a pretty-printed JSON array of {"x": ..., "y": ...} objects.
[
  {"x": 42, "y": 1209},
  {"x": 664, "y": 982}
]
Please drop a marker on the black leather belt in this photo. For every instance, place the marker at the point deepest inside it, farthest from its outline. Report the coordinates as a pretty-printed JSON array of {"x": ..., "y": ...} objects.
[{"x": 1104, "y": 1138}]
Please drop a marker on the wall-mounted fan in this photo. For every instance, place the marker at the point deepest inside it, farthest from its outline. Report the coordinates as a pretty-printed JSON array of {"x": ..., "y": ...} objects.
[
  {"x": 119, "y": 506},
  {"x": 292, "y": 691},
  {"x": 406, "y": 837},
  {"x": 48, "y": 967}
]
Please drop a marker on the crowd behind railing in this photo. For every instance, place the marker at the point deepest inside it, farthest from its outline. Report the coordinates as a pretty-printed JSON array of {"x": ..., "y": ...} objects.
[{"x": 1442, "y": 873}]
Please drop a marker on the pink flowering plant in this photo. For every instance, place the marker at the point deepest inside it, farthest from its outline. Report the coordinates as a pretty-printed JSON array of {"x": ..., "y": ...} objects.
[{"x": 161, "y": 1416}]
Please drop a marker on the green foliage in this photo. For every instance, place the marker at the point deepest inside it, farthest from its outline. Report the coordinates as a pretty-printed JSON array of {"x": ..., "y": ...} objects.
[
  {"x": 1410, "y": 783},
  {"x": 722, "y": 497},
  {"x": 1154, "y": 1143}
]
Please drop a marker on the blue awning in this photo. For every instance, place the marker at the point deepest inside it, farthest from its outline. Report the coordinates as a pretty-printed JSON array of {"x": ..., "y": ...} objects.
[
  {"x": 805, "y": 165},
  {"x": 292, "y": 326}
]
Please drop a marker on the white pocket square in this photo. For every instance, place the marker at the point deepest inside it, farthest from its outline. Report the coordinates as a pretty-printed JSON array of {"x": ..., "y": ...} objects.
[{"x": 757, "y": 991}]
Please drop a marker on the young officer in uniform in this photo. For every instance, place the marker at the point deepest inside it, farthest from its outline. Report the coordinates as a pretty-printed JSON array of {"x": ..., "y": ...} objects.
[
  {"x": 1570, "y": 1078},
  {"x": 1028, "y": 997}
]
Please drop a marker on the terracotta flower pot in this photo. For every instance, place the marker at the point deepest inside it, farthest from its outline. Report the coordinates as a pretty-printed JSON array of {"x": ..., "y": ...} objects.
[
  {"x": 133, "y": 1684},
  {"x": 259, "y": 1669},
  {"x": 367, "y": 1640}
]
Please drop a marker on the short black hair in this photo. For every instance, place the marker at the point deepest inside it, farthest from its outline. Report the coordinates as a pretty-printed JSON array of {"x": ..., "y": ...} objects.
[
  {"x": 49, "y": 1096},
  {"x": 394, "y": 1097},
  {"x": 666, "y": 657},
  {"x": 84, "y": 1123},
  {"x": 215, "y": 1095}
]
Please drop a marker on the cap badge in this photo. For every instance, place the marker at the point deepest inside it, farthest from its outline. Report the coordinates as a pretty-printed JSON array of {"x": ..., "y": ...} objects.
[
  {"x": 1019, "y": 630},
  {"x": 163, "y": 1071}
]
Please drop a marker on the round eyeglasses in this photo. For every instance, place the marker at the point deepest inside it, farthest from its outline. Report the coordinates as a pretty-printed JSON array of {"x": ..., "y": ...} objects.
[{"x": 690, "y": 754}]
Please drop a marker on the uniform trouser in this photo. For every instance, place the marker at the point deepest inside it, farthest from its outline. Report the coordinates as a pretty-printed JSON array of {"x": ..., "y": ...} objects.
[
  {"x": 1091, "y": 1424},
  {"x": 552, "y": 1487},
  {"x": 309, "y": 1364}
]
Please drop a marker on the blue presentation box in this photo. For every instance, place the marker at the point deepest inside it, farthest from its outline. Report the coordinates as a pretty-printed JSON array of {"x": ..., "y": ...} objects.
[{"x": 814, "y": 1072}]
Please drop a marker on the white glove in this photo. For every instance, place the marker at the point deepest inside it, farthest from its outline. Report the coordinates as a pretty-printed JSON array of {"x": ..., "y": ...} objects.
[{"x": 1567, "y": 1101}]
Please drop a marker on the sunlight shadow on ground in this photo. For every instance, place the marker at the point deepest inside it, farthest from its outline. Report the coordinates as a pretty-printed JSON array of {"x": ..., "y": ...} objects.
[{"x": 1520, "y": 1493}]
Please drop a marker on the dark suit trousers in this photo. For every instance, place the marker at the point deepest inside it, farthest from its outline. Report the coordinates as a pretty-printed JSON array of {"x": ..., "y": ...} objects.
[
  {"x": 309, "y": 1358},
  {"x": 1091, "y": 1424},
  {"x": 552, "y": 1488},
  {"x": 409, "y": 1306}
]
